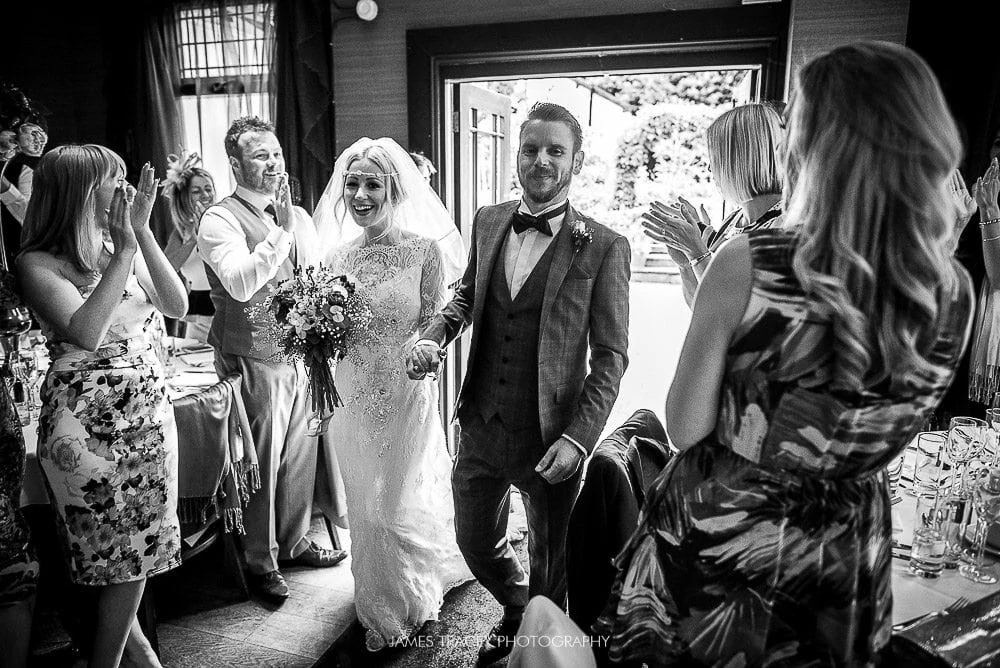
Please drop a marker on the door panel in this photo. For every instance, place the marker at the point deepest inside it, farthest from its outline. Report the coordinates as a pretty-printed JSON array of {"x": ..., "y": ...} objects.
[{"x": 480, "y": 167}]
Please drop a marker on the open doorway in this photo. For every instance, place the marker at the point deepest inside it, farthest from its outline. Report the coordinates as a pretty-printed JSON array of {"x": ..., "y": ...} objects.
[
  {"x": 643, "y": 141},
  {"x": 463, "y": 88}
]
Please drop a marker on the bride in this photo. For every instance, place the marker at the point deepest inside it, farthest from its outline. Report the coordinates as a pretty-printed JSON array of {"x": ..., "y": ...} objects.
[{"x": 388, "y": 229}]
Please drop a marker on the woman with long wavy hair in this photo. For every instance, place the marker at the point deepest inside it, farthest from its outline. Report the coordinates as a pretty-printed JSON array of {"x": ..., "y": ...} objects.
[{"x": 814, "y": 355}]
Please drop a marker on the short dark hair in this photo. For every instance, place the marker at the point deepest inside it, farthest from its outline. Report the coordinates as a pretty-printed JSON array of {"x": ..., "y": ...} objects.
[
  {"x": 550, "y": 111},
  {"x": 241, "y": 125}
]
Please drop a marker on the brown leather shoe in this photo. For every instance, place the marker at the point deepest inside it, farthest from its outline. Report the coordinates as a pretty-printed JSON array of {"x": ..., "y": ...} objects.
[
  {"x": 317, "y": 557},
  {"x": 499, "y": 642},
  {"x": 270, "y": 585}
]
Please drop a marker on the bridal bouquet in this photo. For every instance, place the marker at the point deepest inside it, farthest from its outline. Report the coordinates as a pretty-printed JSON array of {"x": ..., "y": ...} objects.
[{"x": 315, "y": 311}]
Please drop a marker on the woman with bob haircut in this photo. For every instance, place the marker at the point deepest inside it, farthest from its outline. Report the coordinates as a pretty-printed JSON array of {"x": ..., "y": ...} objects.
[
  {"x": 815, "y": 353},
  {"x": 94, "y": 277},
  {"x": 742, "y": 145}
]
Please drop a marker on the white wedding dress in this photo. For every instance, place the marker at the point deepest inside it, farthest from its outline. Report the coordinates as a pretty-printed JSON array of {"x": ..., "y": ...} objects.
[{"x": 391, "y": 446}]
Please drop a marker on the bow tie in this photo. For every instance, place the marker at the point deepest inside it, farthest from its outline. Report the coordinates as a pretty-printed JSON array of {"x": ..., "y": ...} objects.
[{"x": 525, "y": 221}]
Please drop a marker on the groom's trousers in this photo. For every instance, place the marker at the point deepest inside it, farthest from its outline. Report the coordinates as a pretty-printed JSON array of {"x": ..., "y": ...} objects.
[
  {"x": 277, "y": 516},
  {"x": 490, "y": 459}
]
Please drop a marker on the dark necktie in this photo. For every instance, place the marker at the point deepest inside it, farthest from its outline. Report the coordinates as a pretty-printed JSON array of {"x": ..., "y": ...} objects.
[
  {"x": 271, "y": 211},
  {"x": 525, "y": 221}
]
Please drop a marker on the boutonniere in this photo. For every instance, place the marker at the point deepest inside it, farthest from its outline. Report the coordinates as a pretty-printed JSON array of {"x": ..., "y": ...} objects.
[{"x": 582, "y": 235}]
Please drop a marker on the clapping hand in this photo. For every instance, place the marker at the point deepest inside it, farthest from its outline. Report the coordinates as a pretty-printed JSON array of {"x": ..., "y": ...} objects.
[
  {"x": 120, "y": 225},
  {"x": 283, "y": 205},
  {"x": 986, "y": 190},
  {"x": 559, "y": 462},
  {"x": 678, "y": 226},
  {"x": 142, "y": 198},
  {"x": 965, "y": 202}
]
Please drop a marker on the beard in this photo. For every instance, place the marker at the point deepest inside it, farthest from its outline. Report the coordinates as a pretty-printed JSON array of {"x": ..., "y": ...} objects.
[{"x": 542, "y": 191}]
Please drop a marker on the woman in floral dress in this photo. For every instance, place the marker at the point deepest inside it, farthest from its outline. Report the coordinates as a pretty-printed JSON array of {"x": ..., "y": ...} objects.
[
  {"x": 94, "y": 276},
  {"x": 812, "y": 358}
]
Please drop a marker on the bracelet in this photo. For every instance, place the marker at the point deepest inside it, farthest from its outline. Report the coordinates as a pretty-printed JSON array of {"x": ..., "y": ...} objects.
[
  {"x": 991, "y": 238},
  {"x": 991, "y": 221},
  {"x": 701, "y": 258}
]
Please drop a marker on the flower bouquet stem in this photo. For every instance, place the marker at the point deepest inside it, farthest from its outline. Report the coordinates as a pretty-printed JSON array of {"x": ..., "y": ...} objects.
[{"x": 322, "y": 372}]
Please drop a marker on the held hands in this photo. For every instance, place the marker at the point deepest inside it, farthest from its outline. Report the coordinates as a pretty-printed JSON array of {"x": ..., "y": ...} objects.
[
  {"x": 425, "y": 358},
  {"x": 559, "y": 462},
  {"x": 283, "y": 205},
  {"x": 142, "y": 199},
  {"x": 677, "y": 226}
]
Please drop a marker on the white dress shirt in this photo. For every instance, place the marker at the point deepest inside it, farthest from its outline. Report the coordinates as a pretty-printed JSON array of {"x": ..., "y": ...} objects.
[
  {"x": 16, "y": 196},
  {"x": 523, "y": 250},
  {"x": 242, "y": 272}
]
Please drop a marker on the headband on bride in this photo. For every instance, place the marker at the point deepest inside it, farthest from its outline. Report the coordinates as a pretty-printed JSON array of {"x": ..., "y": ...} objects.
[{"x": 414, "y": 207}]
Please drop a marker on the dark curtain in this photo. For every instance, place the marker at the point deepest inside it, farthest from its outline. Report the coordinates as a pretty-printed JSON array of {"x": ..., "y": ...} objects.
[
  {"x": 304, "y": 111},
  {"x": 156, "y": 130}
]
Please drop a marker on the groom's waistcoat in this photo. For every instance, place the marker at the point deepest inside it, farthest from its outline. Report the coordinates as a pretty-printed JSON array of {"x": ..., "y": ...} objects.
[
  {"x": 505, "y": 375},
  {"x": 240, "y": 328}
]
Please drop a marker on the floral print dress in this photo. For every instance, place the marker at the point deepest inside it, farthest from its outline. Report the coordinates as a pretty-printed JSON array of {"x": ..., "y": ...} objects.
[
  {"x": 768, "y": 543},
  {"x": 107, "y": 444}
]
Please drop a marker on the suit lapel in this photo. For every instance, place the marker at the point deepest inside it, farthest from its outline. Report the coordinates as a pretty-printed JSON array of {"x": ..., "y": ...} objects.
[
  {"x": 493, "y": 235},
  {"x": 562, "y": 259}
]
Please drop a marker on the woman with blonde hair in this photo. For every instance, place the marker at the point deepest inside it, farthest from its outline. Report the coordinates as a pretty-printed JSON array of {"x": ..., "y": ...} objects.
[
  {"x": 815, "y": 353},
  {"x": 94, "y": 277},
  {"x": 742, "y": 145},
  {"x": 189, "y": 190}
]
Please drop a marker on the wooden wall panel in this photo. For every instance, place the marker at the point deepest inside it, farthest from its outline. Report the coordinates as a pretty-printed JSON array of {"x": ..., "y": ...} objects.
[{"x": 820, "y": 25}]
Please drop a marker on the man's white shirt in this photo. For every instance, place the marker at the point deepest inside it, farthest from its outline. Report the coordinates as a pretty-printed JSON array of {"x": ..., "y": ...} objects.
[
  {"x": 524, "y": 250},
  {"x": 242, "y": 272}
]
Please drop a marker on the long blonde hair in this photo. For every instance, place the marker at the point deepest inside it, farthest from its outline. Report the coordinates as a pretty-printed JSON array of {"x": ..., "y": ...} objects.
[
  {"x": 742, "y": 150},
  {"x": 61, "y": 215},
  {"x": 871, "y": 146}
]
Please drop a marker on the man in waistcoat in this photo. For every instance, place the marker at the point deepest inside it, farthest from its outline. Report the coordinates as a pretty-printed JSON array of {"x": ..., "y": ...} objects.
[
  {"x": 250, "y": 242},
  {"x": 546, "y": 288}
]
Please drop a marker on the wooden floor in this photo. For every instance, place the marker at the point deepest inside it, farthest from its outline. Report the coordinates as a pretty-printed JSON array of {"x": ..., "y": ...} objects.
[{"x": 204, "y": 621}]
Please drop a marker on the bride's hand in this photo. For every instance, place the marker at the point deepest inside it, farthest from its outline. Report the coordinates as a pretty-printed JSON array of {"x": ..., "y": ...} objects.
[{"x": 424, "y": 359}]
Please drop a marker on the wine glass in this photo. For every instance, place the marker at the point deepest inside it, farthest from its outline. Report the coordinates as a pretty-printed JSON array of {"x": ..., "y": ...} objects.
[
  {"x": 964, "y": 444},
  {"x": 991, "y": 454},
  {"x": 28, "y": 372},
  {"x": 986, "y": 503}
]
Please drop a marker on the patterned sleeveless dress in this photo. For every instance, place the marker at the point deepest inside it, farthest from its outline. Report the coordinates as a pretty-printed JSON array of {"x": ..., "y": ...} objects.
[
  {"x": 107, "y": 444},
  {"x": 768, "y": 543}
]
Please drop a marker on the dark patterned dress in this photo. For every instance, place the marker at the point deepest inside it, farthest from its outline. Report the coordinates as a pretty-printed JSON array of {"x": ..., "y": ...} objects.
[
  {"x": 768, "y": 543},
  {"x": 18, "y": 568},
  {"x": 107, "y": 444}
]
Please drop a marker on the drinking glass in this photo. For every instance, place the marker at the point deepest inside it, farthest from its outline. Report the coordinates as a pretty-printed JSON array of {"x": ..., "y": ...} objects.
[
  {"x": 28, "y": 371},
  {"x": 963, "y": 445},
  {"x": 927, "y": 464},
  {"x": 894, "y": 471},
  {"x": 985, "y": 488},
  {"x": 991, "y": 452}
]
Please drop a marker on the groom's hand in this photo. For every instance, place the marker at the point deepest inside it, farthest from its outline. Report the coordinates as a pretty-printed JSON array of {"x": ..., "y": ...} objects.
[
  {"x": 424, "y": 358},
  {"x": 559, "y": 462}
]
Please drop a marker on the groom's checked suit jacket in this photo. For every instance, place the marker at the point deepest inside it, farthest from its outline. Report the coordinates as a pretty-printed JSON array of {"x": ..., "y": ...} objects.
[{"x": 584, "y": 313}]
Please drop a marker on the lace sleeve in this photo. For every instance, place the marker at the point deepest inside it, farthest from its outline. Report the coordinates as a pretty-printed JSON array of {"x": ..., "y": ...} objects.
[{"x": 432, "y": 288}]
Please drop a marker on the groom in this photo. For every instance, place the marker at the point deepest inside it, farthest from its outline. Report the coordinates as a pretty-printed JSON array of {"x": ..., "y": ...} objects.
[{"x": 546, "y": 288}]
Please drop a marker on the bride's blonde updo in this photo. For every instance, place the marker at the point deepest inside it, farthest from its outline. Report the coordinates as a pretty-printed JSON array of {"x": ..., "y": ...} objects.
[{"x": 871, "y": 146}]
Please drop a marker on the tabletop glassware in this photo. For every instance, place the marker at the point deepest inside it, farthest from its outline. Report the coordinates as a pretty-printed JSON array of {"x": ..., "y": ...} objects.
[
  {"x": 991, "y": 451},
  {"x": 985, "y": 489},
  {"x": 27, "y": 371},
  {"x": 964, "y": 444},
  {"x": 894, "y": 471},
  {"x": 927, "y": 463}
]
